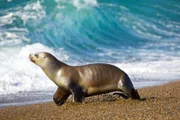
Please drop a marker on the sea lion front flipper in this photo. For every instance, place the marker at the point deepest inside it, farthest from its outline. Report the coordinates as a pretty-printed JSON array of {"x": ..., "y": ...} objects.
[{"x": 60, "y": 96}]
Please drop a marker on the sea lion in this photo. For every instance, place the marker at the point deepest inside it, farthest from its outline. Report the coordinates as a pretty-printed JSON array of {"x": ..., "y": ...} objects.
[{"x": 83, "y": 81}]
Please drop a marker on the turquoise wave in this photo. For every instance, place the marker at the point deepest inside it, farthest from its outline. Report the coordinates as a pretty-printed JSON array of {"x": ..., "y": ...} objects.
[{"x": 91, "y": 30}]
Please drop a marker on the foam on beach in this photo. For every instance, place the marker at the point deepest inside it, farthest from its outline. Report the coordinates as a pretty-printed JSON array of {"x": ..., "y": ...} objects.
[{"x": 18, "y": 74}]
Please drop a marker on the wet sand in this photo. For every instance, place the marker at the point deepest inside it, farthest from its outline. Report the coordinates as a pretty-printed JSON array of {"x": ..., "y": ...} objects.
[{"x": 162, "y": 103}]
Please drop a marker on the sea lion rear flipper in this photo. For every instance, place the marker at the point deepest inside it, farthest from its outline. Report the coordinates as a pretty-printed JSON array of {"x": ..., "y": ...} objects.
[
  {"x": 121, "y": 95},
  {"x": 77, "y": 92}
]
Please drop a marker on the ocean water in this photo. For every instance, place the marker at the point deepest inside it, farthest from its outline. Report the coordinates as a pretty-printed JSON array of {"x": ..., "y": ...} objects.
[{"x": 140, "y": 37}]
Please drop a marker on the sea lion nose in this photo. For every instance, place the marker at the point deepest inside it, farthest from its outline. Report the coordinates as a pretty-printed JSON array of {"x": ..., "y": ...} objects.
[{"x": 30, "y": 55}]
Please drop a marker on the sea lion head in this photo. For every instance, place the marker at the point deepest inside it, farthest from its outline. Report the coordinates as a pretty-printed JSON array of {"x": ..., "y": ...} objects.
[{"x": 41, "y": 58}]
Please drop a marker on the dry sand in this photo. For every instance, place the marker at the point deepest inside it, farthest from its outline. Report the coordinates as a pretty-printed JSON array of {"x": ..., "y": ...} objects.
[{"x": 162, "y": 103}]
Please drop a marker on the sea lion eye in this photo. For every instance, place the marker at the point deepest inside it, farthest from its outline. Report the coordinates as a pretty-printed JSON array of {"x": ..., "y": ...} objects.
[{"x": 36, "y": 55}]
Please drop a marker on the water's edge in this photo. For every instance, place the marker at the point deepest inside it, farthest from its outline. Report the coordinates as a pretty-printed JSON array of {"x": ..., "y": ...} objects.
[{"x": 36, "y": 97}]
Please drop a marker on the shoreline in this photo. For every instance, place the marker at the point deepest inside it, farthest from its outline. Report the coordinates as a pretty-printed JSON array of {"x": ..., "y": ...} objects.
[
  {"x": 162, "y": 102},
  {"x": 25, "y": 98},
  {"x": 35, "y": 97}
]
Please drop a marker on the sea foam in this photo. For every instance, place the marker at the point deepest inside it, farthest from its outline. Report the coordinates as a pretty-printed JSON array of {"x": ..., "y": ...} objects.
[{"x": 19, "y": 74}]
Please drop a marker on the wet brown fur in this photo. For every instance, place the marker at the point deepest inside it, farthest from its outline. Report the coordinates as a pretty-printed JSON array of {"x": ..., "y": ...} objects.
[{"x": 87, "y": 80}]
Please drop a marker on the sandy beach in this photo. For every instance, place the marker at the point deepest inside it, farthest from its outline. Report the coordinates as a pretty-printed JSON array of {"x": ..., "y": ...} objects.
[{"x": 162, "y": 103}]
